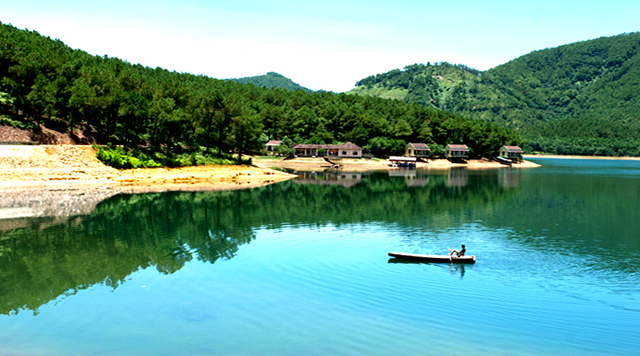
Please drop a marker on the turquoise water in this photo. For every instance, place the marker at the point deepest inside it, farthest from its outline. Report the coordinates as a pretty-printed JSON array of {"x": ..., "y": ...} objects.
[{"x": 301, "y": 267}]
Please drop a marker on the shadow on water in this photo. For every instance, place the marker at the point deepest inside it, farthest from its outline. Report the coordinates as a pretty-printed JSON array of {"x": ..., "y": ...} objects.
[{"x": 454, "y": 268}]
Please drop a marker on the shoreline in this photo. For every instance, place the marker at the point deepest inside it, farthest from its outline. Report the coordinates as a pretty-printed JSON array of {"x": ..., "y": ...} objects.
[
  {"x": 355, "y": 165},
  {"x": 60, "y": 181},
  {"x": 74, "y": 167}
]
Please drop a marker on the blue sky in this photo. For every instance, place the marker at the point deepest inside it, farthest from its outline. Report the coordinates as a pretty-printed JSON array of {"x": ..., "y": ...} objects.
[{"x": 324, "y": 44}]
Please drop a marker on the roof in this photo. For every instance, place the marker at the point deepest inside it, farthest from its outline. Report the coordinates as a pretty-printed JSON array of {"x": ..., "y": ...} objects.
[
  {"x": 273, "y": 143},
  {"x": 311, "y": 145},
  {"x": 346, "y": 146},
  {"x": 458, "y": 147},
  {"x": 350, "y": 146},
  {"x": 513, "y": 149},
  {"x": 420, "y": 146}
]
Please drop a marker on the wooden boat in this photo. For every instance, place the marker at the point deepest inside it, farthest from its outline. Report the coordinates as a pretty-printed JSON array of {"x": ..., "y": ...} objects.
[
  {"x": 504, "y": 160},
  {"x": 434, "y": 258}
]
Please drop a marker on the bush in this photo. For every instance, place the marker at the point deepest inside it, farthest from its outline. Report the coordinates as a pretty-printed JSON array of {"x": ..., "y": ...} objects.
[{"x": 120, "y": 158}]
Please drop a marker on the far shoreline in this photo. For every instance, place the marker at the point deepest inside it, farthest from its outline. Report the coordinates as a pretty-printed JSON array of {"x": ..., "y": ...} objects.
[{"x": 534, "y": 156}]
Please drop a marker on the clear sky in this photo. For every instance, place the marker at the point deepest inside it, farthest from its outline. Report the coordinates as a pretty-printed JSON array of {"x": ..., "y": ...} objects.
[{"x": 320, "y": 44}]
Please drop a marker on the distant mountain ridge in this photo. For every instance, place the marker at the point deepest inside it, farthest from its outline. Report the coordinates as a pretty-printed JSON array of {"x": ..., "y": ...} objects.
[
  {"x": 272, "y": 80},
  {"x": 580, "y": 98}
]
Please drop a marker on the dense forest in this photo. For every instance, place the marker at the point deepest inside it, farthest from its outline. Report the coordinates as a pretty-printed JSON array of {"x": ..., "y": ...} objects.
[
  {"x": 272, "y": 80},
  {"x": 180, "y": 118},
  {"x": 579, "y": 98}
]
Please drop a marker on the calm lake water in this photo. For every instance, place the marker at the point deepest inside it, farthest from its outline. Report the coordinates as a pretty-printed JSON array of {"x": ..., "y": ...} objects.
[{"x": 301, "y": 268}]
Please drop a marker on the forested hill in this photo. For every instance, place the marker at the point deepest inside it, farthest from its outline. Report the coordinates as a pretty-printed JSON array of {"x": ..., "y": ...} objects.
[
  {"x": 272, "y": 80},
  {"x": 180, "y": 118},
  {"x": 580, "y": 98}
]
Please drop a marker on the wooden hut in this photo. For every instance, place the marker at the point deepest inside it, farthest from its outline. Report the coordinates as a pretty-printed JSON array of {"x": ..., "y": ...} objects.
[
  {"x": 419, "y": 150},
  {"x": 272, "y": 145},
  {"x": 457, "y": 153},
  {"x": 513, "y": 153}
]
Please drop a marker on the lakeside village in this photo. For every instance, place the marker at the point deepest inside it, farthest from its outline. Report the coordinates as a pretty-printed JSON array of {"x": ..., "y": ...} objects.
[{"x": 413, "y": 153}]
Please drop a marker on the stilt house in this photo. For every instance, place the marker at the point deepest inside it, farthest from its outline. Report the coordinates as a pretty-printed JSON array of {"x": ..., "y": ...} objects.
[
  {"x": 513, "y": 153},
  {"x": 457, "y": 153}
]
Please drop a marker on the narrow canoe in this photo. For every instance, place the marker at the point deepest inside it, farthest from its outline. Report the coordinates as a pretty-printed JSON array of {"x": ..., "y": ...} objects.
[{"x": 434, "y": 258}]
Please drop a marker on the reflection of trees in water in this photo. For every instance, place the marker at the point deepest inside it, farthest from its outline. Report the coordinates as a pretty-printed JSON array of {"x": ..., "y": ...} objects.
[
  {"x": 127, "y": 233},
  {"x": 124, "y": 234}
]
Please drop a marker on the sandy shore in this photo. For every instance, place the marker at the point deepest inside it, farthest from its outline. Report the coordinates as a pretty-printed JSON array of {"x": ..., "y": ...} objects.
[
  {"x": 71, "y": 167},
  {"x": 354, "y": 165}
]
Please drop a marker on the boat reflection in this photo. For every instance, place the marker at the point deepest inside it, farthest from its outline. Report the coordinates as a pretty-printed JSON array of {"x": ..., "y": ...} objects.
[{"x": 412, "y": 177}]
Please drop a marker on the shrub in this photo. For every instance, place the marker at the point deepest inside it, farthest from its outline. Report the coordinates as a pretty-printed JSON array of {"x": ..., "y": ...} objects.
[{"x": 120, "y": 158}]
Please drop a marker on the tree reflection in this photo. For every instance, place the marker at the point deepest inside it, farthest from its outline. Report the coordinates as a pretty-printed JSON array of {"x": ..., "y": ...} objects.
[{"x": 46, "y": 258}]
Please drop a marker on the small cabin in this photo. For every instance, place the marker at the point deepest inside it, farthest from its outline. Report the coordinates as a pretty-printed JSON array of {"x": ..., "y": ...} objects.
[
  {"x": 420, "y": 150},
  {"x": 349, "y": 150},
  {"x": 457, "y": 153},
  {"x": 513, "y": 153},
  {"x": 272, "y": 145}
]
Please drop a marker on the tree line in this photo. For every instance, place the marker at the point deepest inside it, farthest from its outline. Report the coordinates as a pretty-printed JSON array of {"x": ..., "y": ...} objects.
[{"x": 177, "y": 117}]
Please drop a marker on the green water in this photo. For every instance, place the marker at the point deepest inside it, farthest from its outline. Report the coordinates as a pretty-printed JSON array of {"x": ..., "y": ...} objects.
[{"x": 301, "y": 267}]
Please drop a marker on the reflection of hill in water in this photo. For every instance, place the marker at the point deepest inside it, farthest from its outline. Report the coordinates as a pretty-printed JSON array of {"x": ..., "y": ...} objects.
[
  {"x": 43, "y": 258},
  {"x": 585, "y": 214}
]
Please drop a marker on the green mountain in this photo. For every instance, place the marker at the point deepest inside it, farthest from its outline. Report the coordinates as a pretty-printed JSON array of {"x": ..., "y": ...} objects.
[
  {"x": 272, "y": 80},
  {"x": 579, "y": 98},
  {"x": 179, "y": 118}
]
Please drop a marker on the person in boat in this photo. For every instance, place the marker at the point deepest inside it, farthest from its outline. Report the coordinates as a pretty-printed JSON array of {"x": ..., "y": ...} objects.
[{"x": 458, "y": 253}]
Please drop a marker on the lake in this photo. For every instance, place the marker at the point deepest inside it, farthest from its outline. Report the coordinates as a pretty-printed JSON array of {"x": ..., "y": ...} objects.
[{"x": 301, "y": 267}]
